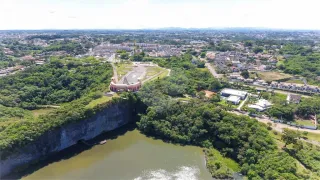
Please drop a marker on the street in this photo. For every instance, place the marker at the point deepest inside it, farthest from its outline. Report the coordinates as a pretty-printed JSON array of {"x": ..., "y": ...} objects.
[{"x": 278, "y": 126}]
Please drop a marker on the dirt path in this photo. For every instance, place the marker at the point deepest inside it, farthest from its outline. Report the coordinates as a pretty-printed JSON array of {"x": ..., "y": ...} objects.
[
  {"x": 115, "y": 74},
  {"x": 49, "y": 106},
  {"x": 242, "y": 103},
  {"x": 213, "y": 71}
]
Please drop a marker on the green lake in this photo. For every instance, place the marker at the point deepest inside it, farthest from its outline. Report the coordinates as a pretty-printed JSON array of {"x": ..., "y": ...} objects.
[{"x": 129, "y": 155}]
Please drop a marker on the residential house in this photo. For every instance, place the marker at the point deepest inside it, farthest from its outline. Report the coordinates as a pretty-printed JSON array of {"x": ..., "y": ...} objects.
[{"x": 293, "y": 98}]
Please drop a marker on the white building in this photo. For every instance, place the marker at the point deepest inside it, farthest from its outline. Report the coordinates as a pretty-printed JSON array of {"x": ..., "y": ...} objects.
[
  {"x": 234, "y": 99},
  {"x": 261, "y": 105},
  {"x": 232, "y": 92}
]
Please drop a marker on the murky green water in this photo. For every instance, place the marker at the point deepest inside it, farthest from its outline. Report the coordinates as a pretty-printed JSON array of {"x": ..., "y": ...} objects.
[{"x": 128, "y": 156}]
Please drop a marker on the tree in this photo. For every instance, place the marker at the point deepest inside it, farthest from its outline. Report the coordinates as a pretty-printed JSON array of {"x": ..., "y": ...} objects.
[
  {"x": 216, "y": 98},
  {"x": 245, "y": 74},
  {"x": 289, "y": 137},
  {"x": 265, "y": 95},
  {"x": 202, "y": 95},
  {"x": 137, "y": 58},
  {"x": 309, "y": 107},
  {"x": 269, "y": 125},
  {"x": 283, "y": 112},
  {"x": 121, "y": 51},
  {"x": 258, "y": 50},
  {"x": 201, "y": 64},
  {"x": 248, "y": 43},
  {"x": 305, "y": 135},
  {"x": 124, "y": 55},
  {"x": 252, "y": 111},
  {"x": 203, "y": 55}
]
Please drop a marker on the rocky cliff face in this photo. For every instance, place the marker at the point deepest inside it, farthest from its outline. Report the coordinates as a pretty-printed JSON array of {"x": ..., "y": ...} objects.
[{"x": 109, "y": 119}]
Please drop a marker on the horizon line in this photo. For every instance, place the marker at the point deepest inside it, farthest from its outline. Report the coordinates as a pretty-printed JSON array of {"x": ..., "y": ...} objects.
[{"x": 163, "y": 28}]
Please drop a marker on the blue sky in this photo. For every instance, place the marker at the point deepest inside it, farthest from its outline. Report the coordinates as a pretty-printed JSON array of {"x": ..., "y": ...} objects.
[{"x": 138, "y": 14}]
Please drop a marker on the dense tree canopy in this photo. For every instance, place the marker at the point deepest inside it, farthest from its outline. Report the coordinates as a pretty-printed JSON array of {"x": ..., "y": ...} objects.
[
  {"x": 301, "y": 61},
  {"x": 308, "y": 107},
  {"x": 248, "y": 43},
  {"x": 70, "y": 47},
  {"x": 52, "y": 83},
  {"x": 283, "y": 112},
  {"x": 257, "y": 50},
  {"x": 307, "y": 66}
]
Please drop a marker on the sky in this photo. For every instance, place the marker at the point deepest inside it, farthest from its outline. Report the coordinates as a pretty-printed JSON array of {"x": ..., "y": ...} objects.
[{"x": 145, "y": 14}]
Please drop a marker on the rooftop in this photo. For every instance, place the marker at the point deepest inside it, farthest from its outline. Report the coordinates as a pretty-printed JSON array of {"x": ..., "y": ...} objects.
[
  {"x": 234, "y": 92},
  {"x": 235, "y": 99}
]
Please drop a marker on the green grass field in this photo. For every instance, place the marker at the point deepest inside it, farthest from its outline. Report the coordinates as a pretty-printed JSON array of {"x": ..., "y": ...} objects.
[
  {"x": 101, "y": 100},
  {"x": 277, "y": 138},
  {"x": 313, "y": 136},
  {"x": 123, "y": 68},
  {"x": 230, "y": 163},
  {"x": 151, "y": 71},
  {"x": 226, "y": 104},
  {"x": 160, "y": 76},
  {"x": 304, "y": 122},
  {"x": 278, "y": 98},
  {"x": 296, "y": 81},
  {"x": 43, "y": 111},
  {"x": 252, "y": 75}
]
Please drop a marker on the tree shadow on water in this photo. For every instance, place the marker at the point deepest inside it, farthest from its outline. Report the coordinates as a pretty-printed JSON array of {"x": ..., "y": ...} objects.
[{"x": 68, "y": 153}]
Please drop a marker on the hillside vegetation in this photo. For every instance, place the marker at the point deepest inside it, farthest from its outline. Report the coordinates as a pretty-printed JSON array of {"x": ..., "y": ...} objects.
[
  {"x": 57, "y": 82},
  {"x": 302, "y": 61},
  {"x": 206, "y": 124}
]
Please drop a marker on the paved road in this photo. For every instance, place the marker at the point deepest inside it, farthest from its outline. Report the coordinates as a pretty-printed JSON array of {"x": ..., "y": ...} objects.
[
  {"x": 213, "y": 71},
  {"x": 277, "y": 91},
  {"x": 278, "y": 126}
]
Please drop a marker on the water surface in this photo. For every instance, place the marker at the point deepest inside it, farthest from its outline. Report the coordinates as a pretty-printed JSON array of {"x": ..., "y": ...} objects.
[{"x": 129, "y": 156}]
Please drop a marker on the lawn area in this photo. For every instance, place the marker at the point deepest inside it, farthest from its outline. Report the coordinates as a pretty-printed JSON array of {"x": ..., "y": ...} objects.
[
  {"x": 278, "y": 98},
  {"x": 296, "y": 81},
  {"x": 252, "y": 75},
  {"x": 123, "y": 68},
  {"x": 313, "y": 136},
  {"x": 280, "y": 63},
  {"x": 101, "y": 100},
  {"x": 304, "y": 122},
  {"x": 161, "y": 75},
  {"x": 216, "y": 156},
  {"x": 183, "y": 98},
  {"x": 226, "y": 104},
  {"x": 38, "y": 112},
  {"x": 151, "y": 71},
  {"x": 277, "y": 137},
  {"x": 273, "y": 76}
]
